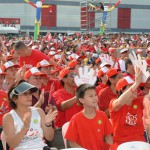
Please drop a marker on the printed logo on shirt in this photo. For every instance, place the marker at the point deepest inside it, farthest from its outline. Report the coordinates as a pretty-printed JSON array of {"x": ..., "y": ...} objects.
[
  {"x": 31, "y": 135},
  {"x": 35, "y": 121},
  {"x": 135, "y": 106},
  {"x": 131, "y": 119},
  {"x": 99, "y": 121},
  {"x": 5, "y": 99}
]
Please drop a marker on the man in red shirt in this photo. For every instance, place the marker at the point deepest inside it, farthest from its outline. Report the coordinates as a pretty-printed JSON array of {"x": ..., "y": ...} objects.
[
  {"x": 65, "y": 98},
  {"x": 28, "y": 56},
  {"x": 108, "y": 93}
]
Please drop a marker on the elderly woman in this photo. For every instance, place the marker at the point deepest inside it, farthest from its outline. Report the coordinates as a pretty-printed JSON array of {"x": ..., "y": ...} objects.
[
  {"x": 25, "y": 126},
  {"x": 126, "y": 112}
]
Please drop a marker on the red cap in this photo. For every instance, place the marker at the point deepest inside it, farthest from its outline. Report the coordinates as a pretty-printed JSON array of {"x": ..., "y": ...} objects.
[
  {"x": 111, "y": 50},
  {"x": 43, "y": 63},
  {"x": 64, "y": 72},
  {"x": 97, "y": 60},
  {"x": 9, "y": 64},
  {"x": 72, "y": 63},
  {"x": 124, "y": 82},
  {"x": 102, "y": 71},
  {"x": 33, "y": 71},
  {"x": 111, "y": 72}
]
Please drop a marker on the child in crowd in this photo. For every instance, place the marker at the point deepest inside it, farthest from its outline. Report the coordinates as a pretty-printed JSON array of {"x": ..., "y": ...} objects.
[{"x": 90, "y": 127}]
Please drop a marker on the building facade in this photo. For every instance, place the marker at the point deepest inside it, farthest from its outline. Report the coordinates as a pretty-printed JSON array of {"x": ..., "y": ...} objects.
[{"x": 66, "y": 15}]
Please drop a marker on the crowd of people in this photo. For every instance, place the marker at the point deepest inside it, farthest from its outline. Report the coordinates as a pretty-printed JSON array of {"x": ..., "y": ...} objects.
[{"x": 40, "y": 92}]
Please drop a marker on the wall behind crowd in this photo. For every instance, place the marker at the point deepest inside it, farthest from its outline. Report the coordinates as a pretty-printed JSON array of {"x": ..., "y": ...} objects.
[{"x": 67, "y": 15}]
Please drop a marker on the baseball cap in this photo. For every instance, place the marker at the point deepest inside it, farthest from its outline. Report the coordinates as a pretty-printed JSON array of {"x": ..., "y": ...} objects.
[
  {"x": 124, "y": 82},
  {"x": 64, "y": 72},
  {"x": 102, "y": 71},
  {"x": 22, "y": 88},
  {"x": 43, "y": 63},
  {"x": 103, "y": 64},
  {"x": 8, "y": 65},
  {"x": 139, "y": 51},
  {"x": 148, "y": 50},
  {"x": 33, "y": 71},
  {"x": 124, "y": 50},
  {"x": 72, "y": 63},
  {"x": 111, "y": 72},
  {"x": 111, "y": 50}
]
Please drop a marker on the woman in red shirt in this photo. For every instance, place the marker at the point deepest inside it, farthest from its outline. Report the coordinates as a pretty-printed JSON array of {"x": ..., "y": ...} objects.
[{"x": 126, "y": 111}]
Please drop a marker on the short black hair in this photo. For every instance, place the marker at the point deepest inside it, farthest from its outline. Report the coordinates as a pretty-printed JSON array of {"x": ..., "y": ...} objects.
[
  {"x": 19, "y": 45},
  {"x": 80, "y": 92},
  {"x": 127, "y": 62}
]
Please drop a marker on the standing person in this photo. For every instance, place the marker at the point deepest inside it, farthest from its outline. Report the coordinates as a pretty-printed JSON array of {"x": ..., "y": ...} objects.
[
  {"x": 29, "y": 57},
  {"x": 126, "y": 111},
  {"x": 25, "y": 126},
  {"x": 89, "y": 128}
]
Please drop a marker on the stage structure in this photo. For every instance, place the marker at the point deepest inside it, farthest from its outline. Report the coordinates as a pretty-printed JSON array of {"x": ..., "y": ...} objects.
[{"x": 97, "y": 15}]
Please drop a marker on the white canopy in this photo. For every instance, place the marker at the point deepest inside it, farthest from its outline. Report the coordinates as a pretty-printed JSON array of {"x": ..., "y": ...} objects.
[{"x": 5, "y": 30}]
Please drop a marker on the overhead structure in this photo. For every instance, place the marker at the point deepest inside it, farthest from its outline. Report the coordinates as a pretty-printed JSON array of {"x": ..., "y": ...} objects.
[{"x": 89, "y": 12}]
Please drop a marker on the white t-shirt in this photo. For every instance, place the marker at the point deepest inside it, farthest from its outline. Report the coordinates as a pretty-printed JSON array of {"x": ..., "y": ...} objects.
[{"x": 33, "y": 140}]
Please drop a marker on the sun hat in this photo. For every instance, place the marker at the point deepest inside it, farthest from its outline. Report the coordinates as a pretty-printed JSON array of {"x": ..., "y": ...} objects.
[{"x": 22, "y": 88}]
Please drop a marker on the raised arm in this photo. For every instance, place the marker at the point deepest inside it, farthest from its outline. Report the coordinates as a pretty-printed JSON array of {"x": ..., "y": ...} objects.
[{"x": 126, "y": 97}]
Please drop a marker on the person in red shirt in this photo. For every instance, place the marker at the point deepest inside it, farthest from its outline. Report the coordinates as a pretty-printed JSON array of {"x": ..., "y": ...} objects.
[
  {"x": 65, "y": 98},
  {"x": 10, "y": 69},
  {"x": 126, "y": 112},
  {"x": 148, "y": 57},
  {"x": 89, "y": 128},
  {"x": 114, "y": 57},
  {"x": 29, "y": 57},
  {"x": 103, "y": 79},
  {"x": 129, "y": 69},
  {"x": 108, "y": 93},
  {"x": 49, "y": 84},
  {"x": 67, "y": 104}
]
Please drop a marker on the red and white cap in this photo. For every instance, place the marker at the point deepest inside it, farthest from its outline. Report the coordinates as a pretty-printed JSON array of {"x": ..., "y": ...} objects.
[
  {"x": 111, "y": 50},
  {"x": 124, "y": 82},
  {"x": 52, "y": 53},
  {"x": 57, "y": 57},
  {"x": 34, "y": 47},
  {"x": 148, "y": 50},
  {"x": 102, "y": 71},
  {"x": 43, "y": 63},
  {"x": 104, "y": 64},
  {"x": 124, "y": 50},
  {"x": 9, "y": 64},
  {"x": 139, "y": 51},
  {"x": 52, "y": 49},
  {"x": 33, "y": 71}
]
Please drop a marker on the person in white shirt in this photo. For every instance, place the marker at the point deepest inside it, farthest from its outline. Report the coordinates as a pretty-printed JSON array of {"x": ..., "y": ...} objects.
[{"x": 25, "y": 126}]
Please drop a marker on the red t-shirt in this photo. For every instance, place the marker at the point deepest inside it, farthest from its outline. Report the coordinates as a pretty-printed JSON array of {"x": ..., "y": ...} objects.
[
  {"x": 148, "y": 61},
  {"x": 56, "y": 85},
  {"x": 65, "y": 116},
  {"x": 32, "y": 60},
  {"x": 89, "y": 133},
  {"x": 127, "y": 122},
  {"x": 104, "y": 98},
  {"x": 4, "y": 106},
  {"x": 100, "y": 87}
]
